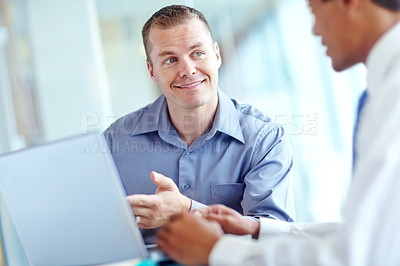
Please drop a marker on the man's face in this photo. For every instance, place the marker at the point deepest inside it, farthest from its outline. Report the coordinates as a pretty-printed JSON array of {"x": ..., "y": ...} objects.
[
  {"x": 185, "y": 63},
  {"x": 334, "y": 23}
]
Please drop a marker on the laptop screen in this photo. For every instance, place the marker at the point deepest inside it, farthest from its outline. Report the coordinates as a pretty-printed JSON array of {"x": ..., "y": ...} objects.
[{"x": 68, "y": 204}]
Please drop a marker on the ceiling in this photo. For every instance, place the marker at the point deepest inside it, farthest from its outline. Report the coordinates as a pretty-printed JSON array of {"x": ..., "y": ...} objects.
[
  {"x": 240, "y": 14},
  {"x": 135, "y": 7}
]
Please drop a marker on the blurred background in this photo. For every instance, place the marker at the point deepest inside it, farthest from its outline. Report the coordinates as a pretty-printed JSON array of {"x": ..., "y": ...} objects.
[{"x": 68, "y": 67}]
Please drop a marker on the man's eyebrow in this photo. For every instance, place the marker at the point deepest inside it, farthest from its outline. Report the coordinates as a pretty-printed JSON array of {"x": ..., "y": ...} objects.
[
  {"x": 168, "y": 53},
  {"x": 196, "y": 45}
]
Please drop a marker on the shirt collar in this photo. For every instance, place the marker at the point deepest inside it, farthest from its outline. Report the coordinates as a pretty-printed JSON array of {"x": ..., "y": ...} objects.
[
  {"x": 380, "y": 57},
  {"x": 155, "y": 117},
  {"x": 226, "y": 118}
]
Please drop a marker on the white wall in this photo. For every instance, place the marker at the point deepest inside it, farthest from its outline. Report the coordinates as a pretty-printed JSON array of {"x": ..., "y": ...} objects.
[
  {"x": 130, "y": 84},
  {"x": 7, "y": 117},
  {"x": 71, "y": 83},
  {"x": 69, "y": 68}
]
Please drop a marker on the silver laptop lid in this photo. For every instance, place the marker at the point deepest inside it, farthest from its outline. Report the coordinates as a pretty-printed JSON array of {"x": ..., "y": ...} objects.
[{"x": 68, "y": 204}]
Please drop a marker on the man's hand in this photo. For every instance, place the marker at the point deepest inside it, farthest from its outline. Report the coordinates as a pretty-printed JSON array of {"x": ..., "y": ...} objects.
[
  {"x": 189, "y": 238},
  {"x": 155, "y": 210},
  {"x": 230, "y": 220}
]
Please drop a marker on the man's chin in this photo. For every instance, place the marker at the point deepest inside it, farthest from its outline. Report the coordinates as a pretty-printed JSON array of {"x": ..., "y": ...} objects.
[{"x": 338, "y": 67}]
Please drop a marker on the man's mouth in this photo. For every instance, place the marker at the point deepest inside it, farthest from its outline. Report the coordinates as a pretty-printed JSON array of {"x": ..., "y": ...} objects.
[{"x": 190, "y": 85}]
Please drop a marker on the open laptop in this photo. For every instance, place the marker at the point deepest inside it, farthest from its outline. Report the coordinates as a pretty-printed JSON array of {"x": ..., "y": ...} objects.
[{"x": 68, "y": 204}]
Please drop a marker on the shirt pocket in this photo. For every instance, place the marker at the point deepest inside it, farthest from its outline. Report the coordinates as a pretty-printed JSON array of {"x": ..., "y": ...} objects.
[{"x": 230, "y": 194}]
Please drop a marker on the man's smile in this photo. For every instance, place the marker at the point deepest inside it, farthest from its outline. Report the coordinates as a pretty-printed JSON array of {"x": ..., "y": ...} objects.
[{"x": 191, "y": 85}]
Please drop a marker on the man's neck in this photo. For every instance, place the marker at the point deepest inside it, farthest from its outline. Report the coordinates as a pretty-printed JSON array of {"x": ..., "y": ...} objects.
[
  {"x": 192, "y": 123},
  {"x": 383, "y": 20}
]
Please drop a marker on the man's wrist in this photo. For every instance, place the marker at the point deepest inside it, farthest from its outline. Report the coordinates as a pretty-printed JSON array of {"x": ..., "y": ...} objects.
[
  {"x": 255, "y": 229},
  {"x": 186, "y": 204},
  {"x": 253, "y": 224},
  {"x": 190, "y": 205}
]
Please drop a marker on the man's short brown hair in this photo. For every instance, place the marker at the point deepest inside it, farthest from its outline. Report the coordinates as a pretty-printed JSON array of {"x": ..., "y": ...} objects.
[{"x": 168, "y": 17}]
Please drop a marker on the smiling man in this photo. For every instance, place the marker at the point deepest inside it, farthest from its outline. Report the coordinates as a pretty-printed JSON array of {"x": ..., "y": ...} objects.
[{"x": 194, "y": 146}]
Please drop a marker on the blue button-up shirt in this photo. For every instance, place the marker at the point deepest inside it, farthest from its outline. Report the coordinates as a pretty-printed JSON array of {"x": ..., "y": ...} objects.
[{"x": 243, "y": 161}]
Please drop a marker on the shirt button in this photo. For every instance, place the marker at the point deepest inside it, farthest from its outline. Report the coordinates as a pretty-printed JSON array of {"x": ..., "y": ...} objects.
[
  {"x": 188, "y": 153},
  {"x": 186, "y": 187}
]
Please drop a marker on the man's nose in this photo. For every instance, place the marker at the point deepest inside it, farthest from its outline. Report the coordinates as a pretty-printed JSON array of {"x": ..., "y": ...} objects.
[{"x": 187, "y": 68}]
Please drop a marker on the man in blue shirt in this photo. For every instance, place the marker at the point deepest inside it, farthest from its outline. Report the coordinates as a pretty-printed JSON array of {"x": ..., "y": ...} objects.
[{"x": 194, "y": 146}]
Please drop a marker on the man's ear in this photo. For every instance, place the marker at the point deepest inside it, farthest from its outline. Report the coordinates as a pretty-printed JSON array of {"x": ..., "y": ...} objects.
[
  {"x": 217, "y": 53},
  {"x": 150, "y": 69},
  {"x": 353, "y": 9},
  {"x": 351, "y": 3}
]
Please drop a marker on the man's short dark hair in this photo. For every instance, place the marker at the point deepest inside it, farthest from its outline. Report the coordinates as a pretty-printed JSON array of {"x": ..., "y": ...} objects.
[
  {"x": 168, "y": 17},
  {"x": 393, "y": 5}
]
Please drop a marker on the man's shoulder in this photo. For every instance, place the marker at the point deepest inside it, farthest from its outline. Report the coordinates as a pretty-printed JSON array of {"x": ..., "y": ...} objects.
[
  {"x": 130, "y": 119},
  {"x": 248, "y": 114},
  {"x": 144, "y": 114},
  {"x": 256, "y": 129},
  {"x": 254, "y": 125},
  {"x": 248, "y": 111}
]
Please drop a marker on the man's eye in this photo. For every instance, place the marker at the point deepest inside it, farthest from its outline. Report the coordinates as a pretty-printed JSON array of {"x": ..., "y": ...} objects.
[
  {"x": 170, "y": 61},
  {"x": 198, "y": 54}
]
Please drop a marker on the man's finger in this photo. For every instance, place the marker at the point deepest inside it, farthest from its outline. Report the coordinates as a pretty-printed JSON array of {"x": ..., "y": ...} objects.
[
  {"x": 163, "y": 182},
  {"x": 221, "y": 209},
  {"x": 143, "y": 212},
  {"x": 163, "y": 241},
  {"x": 202, "y": 211},
  {"x": 176, "y": 216},
  {"x": 142, "y": 200}
]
